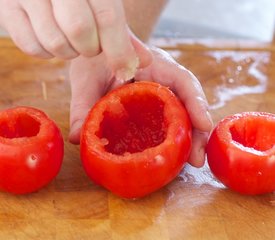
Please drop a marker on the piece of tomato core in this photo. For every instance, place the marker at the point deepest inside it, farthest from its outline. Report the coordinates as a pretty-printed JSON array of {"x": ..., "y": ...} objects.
[
  {"x": 138, "y": 125},
  {"x": 19, "y": 125},
  {"x": 254, "y": 133}
]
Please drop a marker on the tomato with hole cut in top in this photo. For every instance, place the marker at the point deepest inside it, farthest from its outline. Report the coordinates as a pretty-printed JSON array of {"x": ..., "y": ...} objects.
[
  {"x": 241, "y": 152},
  {"x": 31, "y": 150},
  {"x": 136, "y": 139}
]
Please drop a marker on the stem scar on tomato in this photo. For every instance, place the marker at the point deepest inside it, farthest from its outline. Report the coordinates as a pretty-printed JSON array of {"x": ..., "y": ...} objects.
[{"x": 136, "y": 139}]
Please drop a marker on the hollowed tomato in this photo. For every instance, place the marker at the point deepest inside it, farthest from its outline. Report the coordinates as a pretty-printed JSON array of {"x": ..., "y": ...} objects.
[
  {"x": 136, "y": 139},
  {"x": 241, "y": 152},
  {"x": 31, "y": 150}
]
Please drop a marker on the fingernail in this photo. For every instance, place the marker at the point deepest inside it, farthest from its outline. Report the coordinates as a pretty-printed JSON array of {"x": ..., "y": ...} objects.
[
  {"x": 127, "y": 73},
  {"x": 75, "y": 131}
]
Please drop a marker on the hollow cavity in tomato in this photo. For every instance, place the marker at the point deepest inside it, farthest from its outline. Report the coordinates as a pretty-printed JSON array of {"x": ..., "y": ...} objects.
[
  {"x": 241, "y": 152},
  {"x": 136, "y": 139},
  {"x": 31, "y": 150}
]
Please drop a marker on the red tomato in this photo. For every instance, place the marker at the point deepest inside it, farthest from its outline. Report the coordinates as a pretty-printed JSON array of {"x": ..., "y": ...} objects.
[
  {"x": 241, "y": 152},
  {"x": 31, "y": 150},
  {"x": 136, "y": 139}
]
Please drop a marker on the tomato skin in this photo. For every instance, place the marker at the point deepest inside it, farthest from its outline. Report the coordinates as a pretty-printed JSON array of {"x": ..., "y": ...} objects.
[
  {"x": 28, "y": 163},
  {"x": 245, "y": 164},
  {"x": 137, "y": 174}
]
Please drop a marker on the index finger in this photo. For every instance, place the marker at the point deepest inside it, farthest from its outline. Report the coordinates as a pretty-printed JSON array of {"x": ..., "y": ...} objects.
[{"x": 114, "y": 37}]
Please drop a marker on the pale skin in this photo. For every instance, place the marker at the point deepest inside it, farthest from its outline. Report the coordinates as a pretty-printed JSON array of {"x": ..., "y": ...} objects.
[{"x": 105, "y": 53}]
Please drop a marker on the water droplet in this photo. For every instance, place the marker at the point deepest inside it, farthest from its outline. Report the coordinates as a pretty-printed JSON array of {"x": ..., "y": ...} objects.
[
  {"x": 239, "y": 68},
  {"x": 231, "y": 80}
]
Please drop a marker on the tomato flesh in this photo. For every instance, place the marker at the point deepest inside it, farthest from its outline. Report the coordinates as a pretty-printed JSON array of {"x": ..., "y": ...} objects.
[
  {"x": 241, "y": 152},
  {"x": 254, "y": 133},
  {"x": 139, "y": 125},
  {"x": 21, "y": 125},
  {"x": 136, "y": 139},
  {"x": 31, "y": 150}
]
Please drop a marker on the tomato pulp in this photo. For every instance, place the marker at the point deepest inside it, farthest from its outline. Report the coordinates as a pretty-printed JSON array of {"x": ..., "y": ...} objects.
[
  {"x": 31, "y": 150},
  {"x": 136, "y": 139},
  {"x": 241, "y": 152}
]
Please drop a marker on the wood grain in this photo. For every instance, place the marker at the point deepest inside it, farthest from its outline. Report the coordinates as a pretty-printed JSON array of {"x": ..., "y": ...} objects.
[{"x": 193, "y": 206}]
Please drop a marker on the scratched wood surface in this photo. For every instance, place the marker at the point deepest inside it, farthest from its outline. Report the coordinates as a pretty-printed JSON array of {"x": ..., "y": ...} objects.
[{"x": 238, "y": 77}]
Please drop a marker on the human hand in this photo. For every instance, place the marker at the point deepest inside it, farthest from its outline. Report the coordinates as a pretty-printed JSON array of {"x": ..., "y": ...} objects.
[
  {"x": 92, "y": 78},
  {"x": 68, "y": 28}
]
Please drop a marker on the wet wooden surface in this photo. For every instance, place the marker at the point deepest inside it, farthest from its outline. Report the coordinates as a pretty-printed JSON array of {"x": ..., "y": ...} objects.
[{"x": 236, "y": 77}]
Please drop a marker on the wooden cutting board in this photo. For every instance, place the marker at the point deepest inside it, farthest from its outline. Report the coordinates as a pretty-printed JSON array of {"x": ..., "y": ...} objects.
[{"x": 236, "y": 77}]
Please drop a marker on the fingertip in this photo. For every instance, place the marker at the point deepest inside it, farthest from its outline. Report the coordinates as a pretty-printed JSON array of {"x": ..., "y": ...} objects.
[
  {"x": 197, "y": 159},
  {"x": 74, "y": 138},
  {"x": 197, "y": 155},
  {"x": 74, "y": 135},
  {"x": 126, "y": 73}
]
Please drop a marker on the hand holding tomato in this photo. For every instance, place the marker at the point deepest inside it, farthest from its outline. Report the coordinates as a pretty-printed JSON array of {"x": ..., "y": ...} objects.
[{"x": 92, "y": 78}]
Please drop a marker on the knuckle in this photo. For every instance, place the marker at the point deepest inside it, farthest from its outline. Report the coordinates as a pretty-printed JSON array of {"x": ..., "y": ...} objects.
[
  {"x": 106, "y": 17},
  {"x": 78, "y": 28},
  {"x": 56, "y": 44}
]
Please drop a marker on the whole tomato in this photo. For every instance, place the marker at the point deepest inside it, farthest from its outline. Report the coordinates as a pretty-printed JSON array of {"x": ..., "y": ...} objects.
[
  {"x": 241, "y": 152},
  {"x": 31, "y": 150},
  {"x": 136, "y": 139}
]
